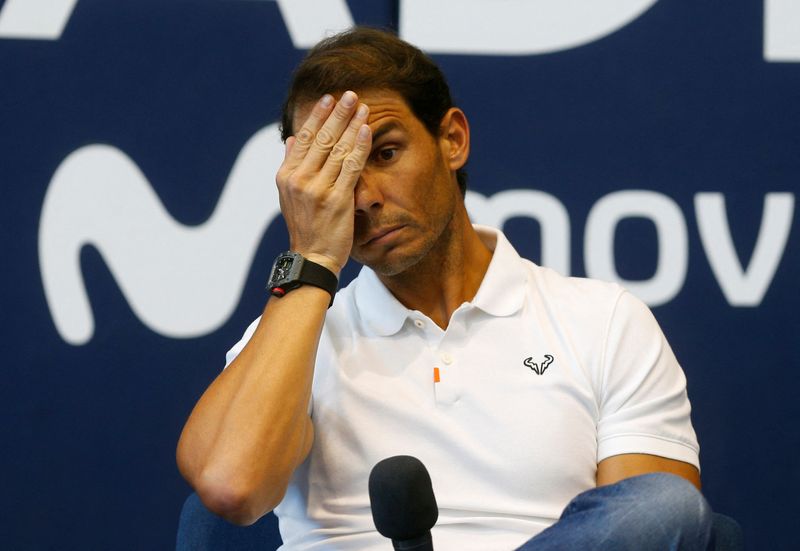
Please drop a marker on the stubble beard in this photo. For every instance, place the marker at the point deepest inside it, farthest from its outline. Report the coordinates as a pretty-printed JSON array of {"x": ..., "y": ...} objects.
[{"x": 431, "y": 244}]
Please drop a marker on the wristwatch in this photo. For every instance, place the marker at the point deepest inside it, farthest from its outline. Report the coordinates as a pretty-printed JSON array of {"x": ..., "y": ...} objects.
[{"x": 291, "y": 270}]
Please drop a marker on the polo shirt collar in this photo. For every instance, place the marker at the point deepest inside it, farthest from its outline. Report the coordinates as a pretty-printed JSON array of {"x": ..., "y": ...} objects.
[
  {"x": 381, "y": 312},
  {"x": 501, "y": 293},
  {"x": 502, "y": 290}
]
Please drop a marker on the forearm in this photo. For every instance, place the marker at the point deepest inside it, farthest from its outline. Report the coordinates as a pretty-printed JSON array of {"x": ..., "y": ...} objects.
[
  {"x": 251, "y": 429},
  {"x": 619, "y": 467}
]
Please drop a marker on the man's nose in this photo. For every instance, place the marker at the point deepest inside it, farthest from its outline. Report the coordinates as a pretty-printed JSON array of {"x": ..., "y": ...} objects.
[{"x": 368, "y": 194}]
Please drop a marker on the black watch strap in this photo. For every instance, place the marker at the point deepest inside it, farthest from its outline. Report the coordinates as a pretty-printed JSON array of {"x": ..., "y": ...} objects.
[{"x": 319, "y": 276}]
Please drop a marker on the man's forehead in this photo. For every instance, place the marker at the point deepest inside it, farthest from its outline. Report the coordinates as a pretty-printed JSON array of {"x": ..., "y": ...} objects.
[{"x": 382, "y": 104}]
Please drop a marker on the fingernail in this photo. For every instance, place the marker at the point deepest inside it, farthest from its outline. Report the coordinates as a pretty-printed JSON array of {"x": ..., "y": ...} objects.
[
  {"x": 326, "y": 100},
  {"x": 362, "y": 111},
  {"x": 349, "y": 99},
  {"x": 363, "y": 132}
]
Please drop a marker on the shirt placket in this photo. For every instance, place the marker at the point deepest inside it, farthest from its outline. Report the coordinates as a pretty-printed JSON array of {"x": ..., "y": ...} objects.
[{"x": 443, "y": 361}]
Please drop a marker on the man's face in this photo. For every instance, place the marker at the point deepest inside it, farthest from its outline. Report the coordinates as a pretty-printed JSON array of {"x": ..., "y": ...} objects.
[{"x": 407, "y": 194}]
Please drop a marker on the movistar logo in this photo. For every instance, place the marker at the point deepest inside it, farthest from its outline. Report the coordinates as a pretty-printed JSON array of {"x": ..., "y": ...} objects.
[{"x": 181, "y": 281}]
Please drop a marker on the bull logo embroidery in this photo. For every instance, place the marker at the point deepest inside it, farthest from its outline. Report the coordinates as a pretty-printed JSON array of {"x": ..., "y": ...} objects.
[{"x": 536, "y": 368}]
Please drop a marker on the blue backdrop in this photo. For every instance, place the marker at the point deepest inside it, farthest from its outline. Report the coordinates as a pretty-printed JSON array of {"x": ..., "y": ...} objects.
[{"x": 652, "y": 142}]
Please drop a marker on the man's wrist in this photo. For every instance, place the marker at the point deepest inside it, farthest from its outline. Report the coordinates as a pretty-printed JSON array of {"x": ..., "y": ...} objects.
[{"x": 324, "y": 261}]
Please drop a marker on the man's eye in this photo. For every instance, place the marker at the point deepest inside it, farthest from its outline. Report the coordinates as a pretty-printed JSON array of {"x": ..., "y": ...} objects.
[{"x": 386, "y": 154}]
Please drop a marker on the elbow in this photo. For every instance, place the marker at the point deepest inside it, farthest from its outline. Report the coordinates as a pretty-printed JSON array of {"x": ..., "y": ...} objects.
[
  {"x": 236, "y": 500},
  {"x": 233, "y": 506}
]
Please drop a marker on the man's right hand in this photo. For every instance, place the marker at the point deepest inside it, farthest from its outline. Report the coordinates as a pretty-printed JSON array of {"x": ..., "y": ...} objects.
[{"x": 317, "y": 178}]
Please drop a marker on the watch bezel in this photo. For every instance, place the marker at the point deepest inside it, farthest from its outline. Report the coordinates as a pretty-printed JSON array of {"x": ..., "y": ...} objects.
[{"x": 292, "y": 277}]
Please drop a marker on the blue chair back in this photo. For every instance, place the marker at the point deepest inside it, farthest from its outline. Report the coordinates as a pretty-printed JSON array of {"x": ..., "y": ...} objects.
[{"x": 201, "y": 530}]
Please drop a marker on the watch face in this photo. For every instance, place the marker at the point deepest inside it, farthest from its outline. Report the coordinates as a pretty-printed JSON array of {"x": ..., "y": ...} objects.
[
  {"x": 283, "y": 267},
  {"x": 286, "y": 271}
]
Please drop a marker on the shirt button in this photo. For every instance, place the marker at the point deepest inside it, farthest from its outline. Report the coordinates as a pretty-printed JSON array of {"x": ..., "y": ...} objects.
[
  {"x": 447, "y": 358},
  {"x": 419, "y": 323}
]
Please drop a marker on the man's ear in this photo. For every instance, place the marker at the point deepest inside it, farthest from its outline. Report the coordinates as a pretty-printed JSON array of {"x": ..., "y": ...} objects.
[{"x": 454, "y": 132}]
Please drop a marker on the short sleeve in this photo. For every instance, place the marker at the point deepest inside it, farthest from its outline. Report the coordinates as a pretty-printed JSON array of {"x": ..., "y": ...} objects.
[
  {"x": 239, "y": 346},
  {"x": 644, "y": 407}
]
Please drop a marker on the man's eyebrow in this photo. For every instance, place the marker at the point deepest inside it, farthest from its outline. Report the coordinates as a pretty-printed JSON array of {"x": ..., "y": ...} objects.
[{"x": 384, "y": 129}]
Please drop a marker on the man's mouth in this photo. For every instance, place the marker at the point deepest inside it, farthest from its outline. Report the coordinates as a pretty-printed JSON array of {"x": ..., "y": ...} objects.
[{"x": 380, "y": 235}]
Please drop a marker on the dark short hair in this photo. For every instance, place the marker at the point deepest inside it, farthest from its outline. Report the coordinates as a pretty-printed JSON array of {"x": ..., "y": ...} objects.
[{"x": 364, "y": 58}]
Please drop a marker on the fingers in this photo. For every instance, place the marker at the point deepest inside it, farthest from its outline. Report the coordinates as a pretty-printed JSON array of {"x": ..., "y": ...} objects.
[
  {"x": 331, "y": 131},
  {"x": 345, "y": 146},
  {"x": 321, "y": 131},
  {"x": 353, "y": 163},
  {"x": 304, "y": 138},
  {"x": 333, "y": 143},
  {"x": 289, "y": 143}
]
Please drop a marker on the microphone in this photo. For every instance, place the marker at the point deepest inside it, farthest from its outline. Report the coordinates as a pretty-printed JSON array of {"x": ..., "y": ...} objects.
[{"x": 403, "y": 505}]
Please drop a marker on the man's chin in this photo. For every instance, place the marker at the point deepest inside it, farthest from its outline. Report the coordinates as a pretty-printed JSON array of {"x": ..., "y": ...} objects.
[
  {"x": 389, "y": 264},
  {"x": 393, "y": 260}
]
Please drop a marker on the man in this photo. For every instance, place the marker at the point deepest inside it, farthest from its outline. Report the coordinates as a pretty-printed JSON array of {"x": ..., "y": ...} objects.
[{"x": 518, "y": 388}]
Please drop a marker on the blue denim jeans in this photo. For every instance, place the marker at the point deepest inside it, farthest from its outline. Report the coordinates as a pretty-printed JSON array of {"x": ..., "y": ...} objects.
[{"x": 655, "y": 511}]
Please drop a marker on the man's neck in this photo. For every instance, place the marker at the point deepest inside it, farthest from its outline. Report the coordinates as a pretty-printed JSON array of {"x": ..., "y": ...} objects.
[{"x": 448, "y": 276}]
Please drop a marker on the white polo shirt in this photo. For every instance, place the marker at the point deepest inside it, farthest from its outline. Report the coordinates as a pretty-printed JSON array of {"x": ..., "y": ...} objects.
[{"x": 540, "y": 377}]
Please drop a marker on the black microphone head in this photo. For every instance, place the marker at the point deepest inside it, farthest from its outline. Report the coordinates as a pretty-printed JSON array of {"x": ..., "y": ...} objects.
[{"x": 401, "y": 495}]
